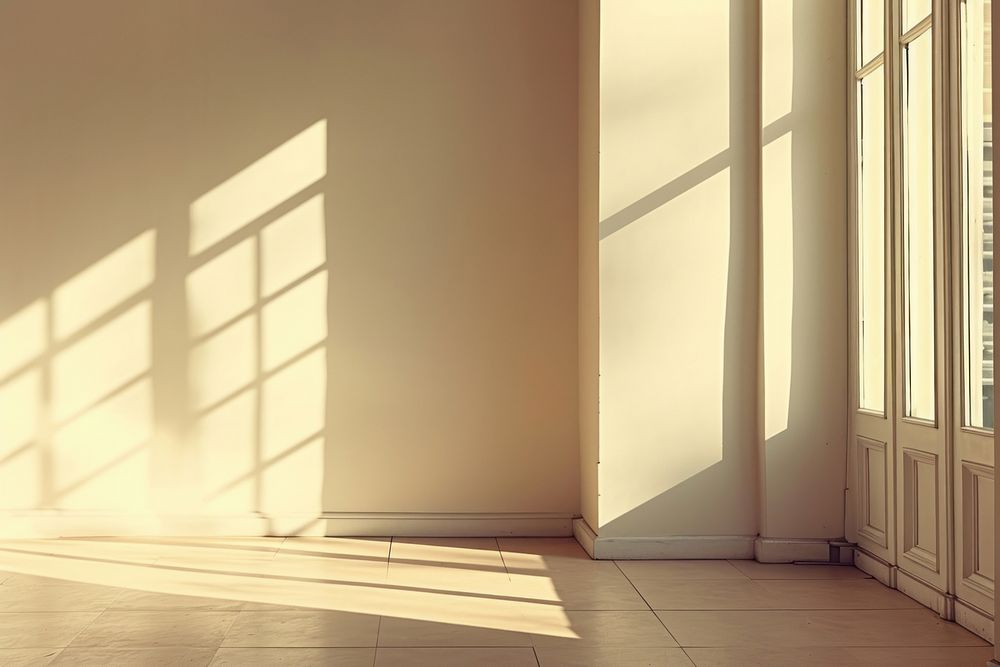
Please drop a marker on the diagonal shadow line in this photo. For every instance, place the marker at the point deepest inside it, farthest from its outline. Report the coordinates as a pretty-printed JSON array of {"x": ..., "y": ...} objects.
[
  {"x": 259, "y": 304},
  {"x": 664, "y": 193},
  {"x": 23, "y": 449},
  {"x": 94, "y": 474},
  {"x": 686, "y": 181},
  {"x": 260, "y": 379},
  {"x": 100, "y": 400},
  {"x": 315, "y": 554},
  {"x": 285, "y": 577},
  {"x": 251, "y": 227},
  {"x": 263, "y": 465}
]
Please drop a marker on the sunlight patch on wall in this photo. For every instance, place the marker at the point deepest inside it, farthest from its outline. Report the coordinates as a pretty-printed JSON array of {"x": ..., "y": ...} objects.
[
  {"x": 223, "y": 364},
  {"x": 76, "y": 417},
  {"x": 778, "y": 279},
  {"x": 660, "y": 116},
  {"x": 777, "y": 255},
  {"x": 22, "y": 337},
  {"x": 664, "y": 290},
  {"x": 101, "y": 459},
  {"x": 294, "y": 321},
  {"x": 102, "y": 362},
  {"x": 226, "y": 445},
  {"x": 222, "y": 288},
  {"x": 257, "y": 317},
  {"x": 269, "y": 181},
  {"x": 293, "y": 245},
  {"x": 20, "y": 421},
  {"x": 104, "y": 285}
]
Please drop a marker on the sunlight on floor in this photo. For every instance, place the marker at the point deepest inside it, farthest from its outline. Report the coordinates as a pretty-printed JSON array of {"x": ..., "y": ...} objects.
[{"x": 506, "y": 601}]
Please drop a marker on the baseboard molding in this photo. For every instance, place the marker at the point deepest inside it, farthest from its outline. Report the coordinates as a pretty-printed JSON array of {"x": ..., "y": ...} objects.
[
  {"x": 946, "y": 606},
  {"x": 52, "y": 523},
  {"x": 927, "y": 595},
  {"x": 585, "y": 535},
  {"x": 974, "y": 620},
  {"x": 678, "y": 547},
  {"x": 876, "y": 567},
  {"x": 793, "y": 550},
  {"x": 448, "y": 525}
]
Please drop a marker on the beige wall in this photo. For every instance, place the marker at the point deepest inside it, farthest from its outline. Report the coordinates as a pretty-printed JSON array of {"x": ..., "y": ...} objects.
[
  {"x": 722, "y": 269},
  {"x": 804, "y": 286},
  {"x": 289, "y": 258},
  {"x": 589, "y": 285},
  {"x": 678, "y": 262}
]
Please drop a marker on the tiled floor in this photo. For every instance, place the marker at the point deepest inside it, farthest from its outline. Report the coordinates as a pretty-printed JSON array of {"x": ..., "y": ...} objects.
[{"x": 316, "y": 601}]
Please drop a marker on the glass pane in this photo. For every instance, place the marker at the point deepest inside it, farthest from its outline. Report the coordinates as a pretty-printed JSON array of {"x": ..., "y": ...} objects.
[
  {"x": 977, "y": 225},
  {"x": 871, "y": 241},
  {"x": 871, "y": 21},
  {"x": 918, "y": 220},
  {"x": 915, "y": 11}
]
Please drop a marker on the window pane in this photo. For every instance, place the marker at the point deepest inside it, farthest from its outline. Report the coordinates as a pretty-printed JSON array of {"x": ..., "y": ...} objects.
[
  {"x": 871, "y": 17},
  {"x": 918, "y": 220},
  {"x": 915, "y": 11},
  {"x": 871, "y": 241},
  {"x": 977, "y": 227}
]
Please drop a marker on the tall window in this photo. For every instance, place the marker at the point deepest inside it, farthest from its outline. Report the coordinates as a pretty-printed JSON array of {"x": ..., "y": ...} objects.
[
  {"x": 918, "y": 210},
  {"x": 870, "y": 76},
  {"x": 977, "y": 216}
]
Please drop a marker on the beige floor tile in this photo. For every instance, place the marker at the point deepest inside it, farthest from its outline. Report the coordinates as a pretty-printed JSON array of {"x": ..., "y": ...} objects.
[
  {"x": 839, "y": 657},
  {"x": 619, "y": 657},
  {"x": 755, "y": 570},
  {"x": 606, "y": 589},
  {"x": 542, "y": 553},
  {"x": 608, "y": 628},
  {"x": 338, "y": 547},
  {"x": 317, "y": 629},
  {"x": 404, "y": 632},
  {"x": 96, "y": 548},
  {"x": 455, "y": 657},
  {"x": 683, "y": 570},
  {"x": 456, "y": 579},
  {"x": 154, "y": 629},
  {"x": 133, "y": 600},
  {"x": 64, "y": 596},
  {"x": 899, "y": 627},
  {"x": 263, "y": 657},
  {"x": 147, "y": 657},
  {"x": 462, "y": 551},
  {"x": 749, "y": 594},
  {"x": 42, "y": 629},
  {"x": 25, "y": 657},
  {"x": 325, "y": 569}
]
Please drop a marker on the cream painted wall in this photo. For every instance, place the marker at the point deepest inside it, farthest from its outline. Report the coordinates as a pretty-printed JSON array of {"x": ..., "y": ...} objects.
[
  {"x": 589, "y": 282},
  {"x": 722, "y": 269},
  {"x": 678, "y": 266},
  {"x": 289, "y": 258},
  {"x": 804, "y": 279}
]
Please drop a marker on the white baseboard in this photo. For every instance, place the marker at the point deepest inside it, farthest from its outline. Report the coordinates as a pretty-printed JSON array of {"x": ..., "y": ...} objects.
[
  {"x": 585, "y": 535},
  {"x": 876, "y": 567},
  {"x": 974, "y": 620},
  {"x": 925, "y": 594},
  {"x": 791, "y": 550},
  {"x": 52, "y": 523},
  {"x": 946, "y": 606},
  {"x": 536, "y": 524},
  {"x": 662, "y": 548}
]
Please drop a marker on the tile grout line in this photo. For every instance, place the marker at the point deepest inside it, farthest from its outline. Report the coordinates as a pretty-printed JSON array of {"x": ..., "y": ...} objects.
[
  {"x": 655, "y": 615},
  {"x": 83, "y": 629},
  {"x": 503, "y": 561}
]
